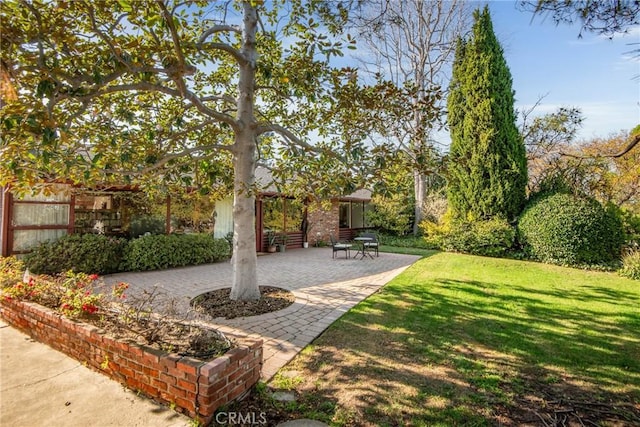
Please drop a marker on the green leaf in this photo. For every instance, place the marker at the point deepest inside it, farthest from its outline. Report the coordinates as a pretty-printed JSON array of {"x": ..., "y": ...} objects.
[{"x": 125, "y": 5}]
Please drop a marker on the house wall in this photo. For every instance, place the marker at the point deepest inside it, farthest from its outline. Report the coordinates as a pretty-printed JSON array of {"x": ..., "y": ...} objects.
[{"x": 325, "y": 221}]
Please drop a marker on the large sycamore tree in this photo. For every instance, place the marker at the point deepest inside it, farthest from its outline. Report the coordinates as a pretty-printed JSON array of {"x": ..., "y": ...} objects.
[
  {"x": 411, "y": 45},
  {"x": 158, "y": 92},
  {"x": 487, "y": 172}
]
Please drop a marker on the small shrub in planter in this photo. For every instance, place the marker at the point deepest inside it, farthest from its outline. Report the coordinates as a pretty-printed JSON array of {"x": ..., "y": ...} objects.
[
  {"x": 11, "y": 271},
  {"x": 567, "y": 229},
  {"x": 631, "y": 265},
  {"x": 86, "y": 253},
  {"x": 156, "y": 252}
]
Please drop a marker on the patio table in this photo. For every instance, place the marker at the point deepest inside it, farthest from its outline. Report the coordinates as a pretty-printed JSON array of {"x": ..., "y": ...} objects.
[{"x": 363, "y": 250}]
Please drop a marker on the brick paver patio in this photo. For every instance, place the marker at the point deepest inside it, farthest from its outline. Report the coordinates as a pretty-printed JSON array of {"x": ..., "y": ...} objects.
[{"x": 324, "y": 288}]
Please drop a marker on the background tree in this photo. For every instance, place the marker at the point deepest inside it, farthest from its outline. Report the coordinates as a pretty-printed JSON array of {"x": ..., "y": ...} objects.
[
  {"x": 545, "y": 138},
  {"x": 601, "y": 17},
  {"x": 412, "y": 44},
  {"x": 150, "y": 92},
  {"x": 392, "y": 198},
  {"x": 487, "y": 168}
]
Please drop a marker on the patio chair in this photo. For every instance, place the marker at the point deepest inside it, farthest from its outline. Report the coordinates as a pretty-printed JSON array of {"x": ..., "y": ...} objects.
[
  {"x": 337, "y": 246},
  {"x": 373, "y": 244}
]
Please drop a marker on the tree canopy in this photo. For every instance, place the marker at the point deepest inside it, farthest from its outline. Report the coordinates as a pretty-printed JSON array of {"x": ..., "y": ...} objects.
[
  {"x": 601, "y": 17},
  {"x": 160, "y": 92}
]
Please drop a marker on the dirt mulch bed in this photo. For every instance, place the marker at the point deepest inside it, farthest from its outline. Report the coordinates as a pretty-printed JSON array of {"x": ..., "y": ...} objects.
[{"x": 218, "y": 304}]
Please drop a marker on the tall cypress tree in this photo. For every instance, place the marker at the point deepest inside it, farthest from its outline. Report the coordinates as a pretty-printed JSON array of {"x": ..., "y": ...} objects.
[{"x": 487, "y": 162}]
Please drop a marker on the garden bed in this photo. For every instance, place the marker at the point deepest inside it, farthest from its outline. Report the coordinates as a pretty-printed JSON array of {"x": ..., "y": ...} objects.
[{"x": 194, "y": 387}]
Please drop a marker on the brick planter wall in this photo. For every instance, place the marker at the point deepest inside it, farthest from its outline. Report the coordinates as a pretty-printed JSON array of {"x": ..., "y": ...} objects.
[{"x": 197, "y": 388}]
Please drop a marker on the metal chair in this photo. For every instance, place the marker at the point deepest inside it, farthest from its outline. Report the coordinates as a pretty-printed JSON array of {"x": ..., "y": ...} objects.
[
  {"x": 337, "y": 246},
  {"x": 373, "y": 244}
]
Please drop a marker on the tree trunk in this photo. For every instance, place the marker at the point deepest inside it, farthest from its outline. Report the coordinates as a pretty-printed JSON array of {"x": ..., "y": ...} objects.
[
  {"x": 245, "y": 260},
  {"x": 419, "y": 188}
]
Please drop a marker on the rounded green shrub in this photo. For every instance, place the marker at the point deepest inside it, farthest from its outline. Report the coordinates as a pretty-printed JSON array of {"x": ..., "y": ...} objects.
[
  {"x": 567, "y": 229},
  {"x": 156, "y": 252},
  {"x": 81, "y": 253}
]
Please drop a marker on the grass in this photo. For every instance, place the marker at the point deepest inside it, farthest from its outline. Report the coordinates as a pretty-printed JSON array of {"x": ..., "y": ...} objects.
[
  {"x": 465, "y": 340},
  {"x": 407, "y": 250}
]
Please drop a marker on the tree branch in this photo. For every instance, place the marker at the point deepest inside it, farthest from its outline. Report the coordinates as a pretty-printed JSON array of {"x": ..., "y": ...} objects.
[
  {"x": 170, "y": 157},
  {"x": 235, "y": 53},
  {"x": 634, "y": 141},
  {"x": 218, "y": 29},
  {"x": 149, "y": 87}
]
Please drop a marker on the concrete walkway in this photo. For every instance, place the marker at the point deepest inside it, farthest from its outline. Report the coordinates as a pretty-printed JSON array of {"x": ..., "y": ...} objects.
[
  {"x": 324, "y": 287},
  {"x": 42, "y": 387}
]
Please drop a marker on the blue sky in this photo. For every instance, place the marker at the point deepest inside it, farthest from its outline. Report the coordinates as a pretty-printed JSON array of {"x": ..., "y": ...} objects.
[{"x": 592, "y": 73}]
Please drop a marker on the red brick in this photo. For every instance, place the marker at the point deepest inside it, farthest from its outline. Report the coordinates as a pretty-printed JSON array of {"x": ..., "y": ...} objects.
[
  {"x": 135, "y": 366},
  {"x": 186, "y": 385},
  {"x": 169, "y": 379},
  {"x": 150, "y": 390},
  {"x": 237, "y": 374},
  {"x": 125, "y": 371},
  {"x": 186, "y": 404},
  {"x": 174, "y": 372},
  {"x": 216, "y": 386},
  {"x": 188, "y": 365},
  {"x": 236, "y": 354},
  {"x": 237, "y": 391},
  {"x": 133, "y": 349},
  {"x": 160, "y": 385},
  {"x": 151, "y": 372},
  {"x": 169, "y": 361},
  {"x": 175, "y": 391},
  {"x": 152, "y": 355},
  {"x": 215, "y": 367}
]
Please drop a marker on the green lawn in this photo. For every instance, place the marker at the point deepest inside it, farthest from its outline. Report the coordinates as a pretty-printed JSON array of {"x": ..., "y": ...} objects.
[{"x": 465, "y": 340}]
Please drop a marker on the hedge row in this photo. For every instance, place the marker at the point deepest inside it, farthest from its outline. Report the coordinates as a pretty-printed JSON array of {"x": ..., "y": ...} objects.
[
  {"x": 90, "y": 253},
  {"x": 558, "y": 228}
]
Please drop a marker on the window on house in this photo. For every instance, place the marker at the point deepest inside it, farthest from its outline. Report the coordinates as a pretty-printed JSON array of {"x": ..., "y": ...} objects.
[
  {"x": 281, "y": 214},
  {"x": 357, "y": 214},
  {"x": 294, "y": 211},
  {"x": 273, "y": 214},
  {"x": 354, "y": 214},
  {"x": 345, "y": 214},
  {"x": 40, "y": 217}
]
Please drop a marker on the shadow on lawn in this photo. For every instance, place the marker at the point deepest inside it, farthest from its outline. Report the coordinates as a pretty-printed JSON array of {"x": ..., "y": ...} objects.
[{"x": 464, "y": 352}]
